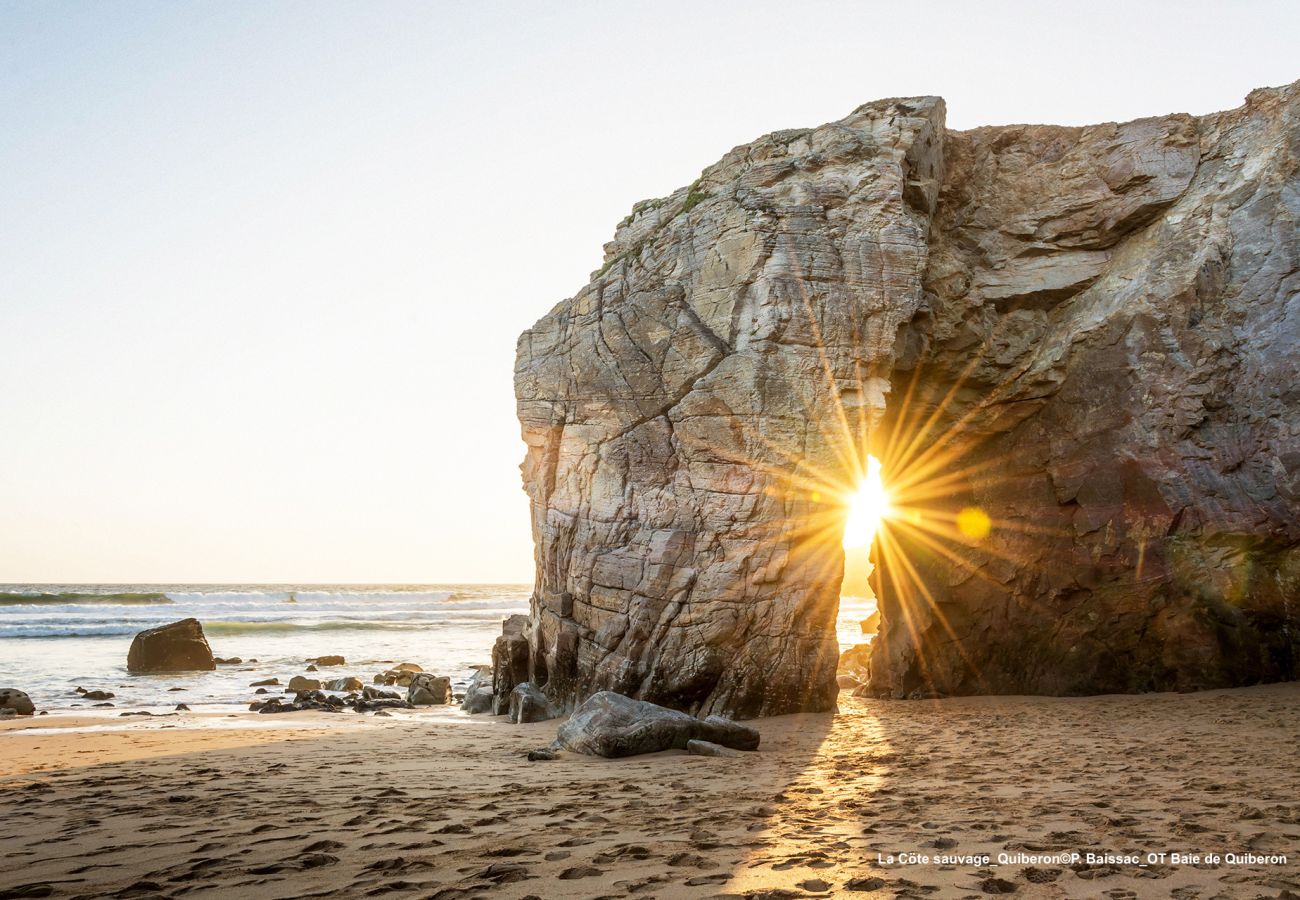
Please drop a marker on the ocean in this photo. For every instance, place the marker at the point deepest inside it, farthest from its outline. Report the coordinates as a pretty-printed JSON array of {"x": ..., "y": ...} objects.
[{"x": 56, "y": 638}]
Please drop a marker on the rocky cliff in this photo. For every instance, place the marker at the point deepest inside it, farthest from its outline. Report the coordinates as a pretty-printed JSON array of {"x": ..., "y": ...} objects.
[{"x": 1075, "y": 350}]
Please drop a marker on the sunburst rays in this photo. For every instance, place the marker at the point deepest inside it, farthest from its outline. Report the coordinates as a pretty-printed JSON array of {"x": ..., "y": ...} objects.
[{"x": 930, "y": 444}]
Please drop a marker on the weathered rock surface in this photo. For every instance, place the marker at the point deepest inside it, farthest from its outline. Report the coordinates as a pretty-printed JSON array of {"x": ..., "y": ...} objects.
[
  {"x": 611, "y": 725},
  {"x": 1090, "y": 337},
  {"x": 178, "y": 647},
  {"x": 478, "y": 694},
  {"x": 510, "y": 662},
  {"x": 708, "y": 748},
  {"x": 350, "y": 683},
  {"x": 17, "y": 701},
  {"x": 428, "y": 690},
  {"x": 299, "y": 683},
  {"x": 528, "y": 704},
  {"x": 1125, "y": 303}
]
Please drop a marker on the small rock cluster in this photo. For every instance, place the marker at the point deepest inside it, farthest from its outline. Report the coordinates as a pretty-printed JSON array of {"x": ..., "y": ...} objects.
[{"x": 368, "y": 700}]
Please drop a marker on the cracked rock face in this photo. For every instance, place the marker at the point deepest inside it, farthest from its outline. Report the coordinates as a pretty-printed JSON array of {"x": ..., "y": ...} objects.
[{"x": 1110, "y": 314}]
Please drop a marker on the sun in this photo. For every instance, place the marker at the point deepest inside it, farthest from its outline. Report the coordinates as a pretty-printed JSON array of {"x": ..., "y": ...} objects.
[{"x": 868, "y": 506}]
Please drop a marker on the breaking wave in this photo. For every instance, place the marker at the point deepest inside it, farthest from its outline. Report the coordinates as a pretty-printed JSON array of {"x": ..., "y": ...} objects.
[{"x": 75, "y": 598}]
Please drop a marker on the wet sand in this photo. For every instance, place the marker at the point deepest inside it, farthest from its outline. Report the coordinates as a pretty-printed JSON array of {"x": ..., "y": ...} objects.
[{"x": 442, "y": 805}]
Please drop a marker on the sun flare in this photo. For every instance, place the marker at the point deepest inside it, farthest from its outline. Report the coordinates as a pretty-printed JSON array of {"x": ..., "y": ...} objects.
[{"x": 868, "y": 506}]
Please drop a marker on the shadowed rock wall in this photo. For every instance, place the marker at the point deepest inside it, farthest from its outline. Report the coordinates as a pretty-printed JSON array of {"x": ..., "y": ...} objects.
[
  {"x": 1129, "y": 299},
  {"x": 1112, "y": 313}
]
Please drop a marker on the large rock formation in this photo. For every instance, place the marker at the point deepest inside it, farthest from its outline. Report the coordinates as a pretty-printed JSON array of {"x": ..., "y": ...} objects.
[{"x": 1075, "y": 350}]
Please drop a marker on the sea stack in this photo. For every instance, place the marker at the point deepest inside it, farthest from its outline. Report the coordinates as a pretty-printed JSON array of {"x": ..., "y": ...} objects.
[
  {"x": 178, "y": 647},
  {"x": 1084, "y": 340}
]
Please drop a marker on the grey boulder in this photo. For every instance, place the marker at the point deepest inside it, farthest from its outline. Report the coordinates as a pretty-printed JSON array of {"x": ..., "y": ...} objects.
[
  {"x": 478, "y": 695},
  {"x": 528, "y": 704},
  {"x": 612, "y": 725},
  {"x": 18, "y": 701}
]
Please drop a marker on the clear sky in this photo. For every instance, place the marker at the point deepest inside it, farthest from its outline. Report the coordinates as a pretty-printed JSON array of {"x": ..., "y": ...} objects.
[{"x": 263, "y": 265}]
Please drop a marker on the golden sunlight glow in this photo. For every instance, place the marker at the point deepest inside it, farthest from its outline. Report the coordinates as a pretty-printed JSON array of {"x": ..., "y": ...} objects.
[
  {"x": 974, "y": 523},
  {"x": 868, "y": 506}
]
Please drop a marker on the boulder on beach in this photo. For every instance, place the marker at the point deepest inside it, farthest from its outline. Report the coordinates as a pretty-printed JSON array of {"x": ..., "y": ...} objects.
[
  {"x": 528, "y": 704},
  {"x": 351, "y": 683},
  {"x": 428, "y": 690},
  {"x": 178, "y": 647},
  {"x": 612, "y": 725},
  {"x": 478, "y": 695},
  {"x": 329, "y": 661},
  {"x": 510, "y": 657},
  {"x": 17, "y": 701},
  {"x": 302, "y": 683}
]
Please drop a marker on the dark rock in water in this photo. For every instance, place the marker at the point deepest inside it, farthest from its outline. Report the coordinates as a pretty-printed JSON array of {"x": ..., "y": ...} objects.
[
  {"x": 104, "y": 704},
  {"x": 261, "y": 691},
  {"x": 542, "y": 754},
  {"x": 528, "y": 704},
  {"x": 266, "y": 682},
  {"x": 708, "y": 748},
  {"x": 18, "y": 701},
  {"x": 478, "y": 695},
  {"x": 330, "y": 661},
  {"x": 178, "y": 647},
  {"x": 612, "y": 725},
  {"x": 174, "y": 689},
  {"x": 364, "y": 705},
  {"x": 181, "y": 707},
  {"x": 98, "y": 695},
  {"x": 303, "y": 683},
  {"x": 429, "y": 690},
  {"x": 231, "y": 661},
  {"x": 370, "y": 693},
  {"x": 311, "y": 668}
]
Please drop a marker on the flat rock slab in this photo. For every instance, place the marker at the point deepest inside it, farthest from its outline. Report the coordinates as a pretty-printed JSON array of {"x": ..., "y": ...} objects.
[
  {"x": 612, "y": 725},
  {"x": 708, "y": 748}
]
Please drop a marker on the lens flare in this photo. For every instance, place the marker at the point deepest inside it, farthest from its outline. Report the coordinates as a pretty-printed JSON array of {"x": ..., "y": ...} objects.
[{"x": 868, "y": 507}]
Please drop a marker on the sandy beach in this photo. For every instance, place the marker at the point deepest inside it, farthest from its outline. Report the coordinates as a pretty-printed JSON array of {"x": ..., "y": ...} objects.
[{"x": 443, "y": 805}]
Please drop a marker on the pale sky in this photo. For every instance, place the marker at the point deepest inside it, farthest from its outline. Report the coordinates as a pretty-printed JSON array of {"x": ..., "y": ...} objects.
[{"x": 263, "y": 265}]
